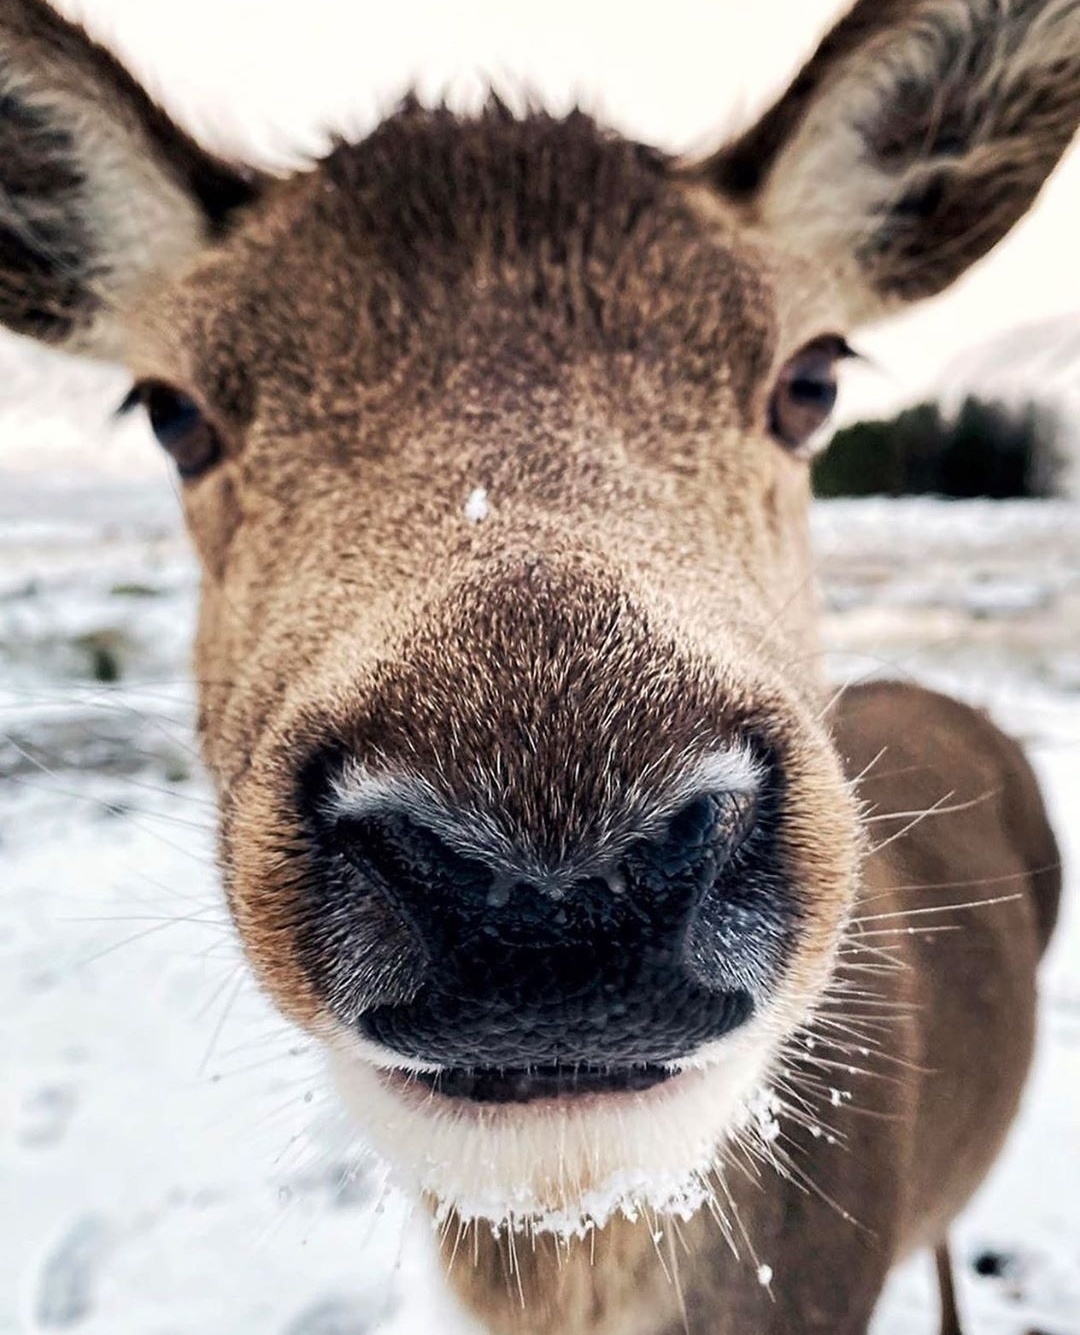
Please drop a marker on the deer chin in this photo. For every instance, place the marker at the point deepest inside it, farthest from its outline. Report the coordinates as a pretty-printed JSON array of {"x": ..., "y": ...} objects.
[{"x": 560, "y": 1163}]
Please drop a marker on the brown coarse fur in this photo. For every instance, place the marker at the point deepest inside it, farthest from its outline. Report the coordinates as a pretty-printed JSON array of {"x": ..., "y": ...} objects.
[{"x": 491, "y": 491}]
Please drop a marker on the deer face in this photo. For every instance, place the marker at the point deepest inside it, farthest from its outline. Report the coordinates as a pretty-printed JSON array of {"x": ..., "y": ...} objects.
[
  {"x": 527, "y": 808},
  {"x": 493, "y": 438}
]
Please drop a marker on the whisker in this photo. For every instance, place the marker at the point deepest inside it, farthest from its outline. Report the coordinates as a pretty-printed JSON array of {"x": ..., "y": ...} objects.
[
  {"x": 155, "y": 930},
  {"x": 88, "y": 799},
  {"x": 238, "y": 979},
  {"x": 935, "y": 908},
  {"x": 862, "y": 774},
  {"x": 964, "y": 884},
  {"x": 935, "y": 809}
]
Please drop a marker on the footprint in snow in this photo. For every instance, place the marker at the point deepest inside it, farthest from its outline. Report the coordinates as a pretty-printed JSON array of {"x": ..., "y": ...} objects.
[
  {"x": 65, "y": 1290},
  {"x": 46, "y": 1114}
]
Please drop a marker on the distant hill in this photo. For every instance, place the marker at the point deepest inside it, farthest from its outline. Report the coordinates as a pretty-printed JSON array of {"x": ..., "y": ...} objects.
[{"x": 1039, "y": 358}]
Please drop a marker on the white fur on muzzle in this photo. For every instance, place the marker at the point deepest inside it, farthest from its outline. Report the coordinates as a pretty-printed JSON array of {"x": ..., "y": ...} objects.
[{"x": 563, "y": 1165}]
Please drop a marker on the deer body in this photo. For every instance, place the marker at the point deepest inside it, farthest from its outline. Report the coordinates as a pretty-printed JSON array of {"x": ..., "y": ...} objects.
[{"x": 493, "y": 437}]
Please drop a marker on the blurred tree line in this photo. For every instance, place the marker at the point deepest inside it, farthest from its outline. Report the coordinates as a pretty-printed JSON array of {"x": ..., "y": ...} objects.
[{"x": 986, "y": 448}]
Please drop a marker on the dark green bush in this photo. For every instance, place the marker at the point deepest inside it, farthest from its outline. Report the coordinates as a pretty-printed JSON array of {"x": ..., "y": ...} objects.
[{"x": 986, "y": 449}]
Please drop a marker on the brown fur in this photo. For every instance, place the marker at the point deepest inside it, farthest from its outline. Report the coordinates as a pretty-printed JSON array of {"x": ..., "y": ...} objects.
[{"x": 589, "y": 332}]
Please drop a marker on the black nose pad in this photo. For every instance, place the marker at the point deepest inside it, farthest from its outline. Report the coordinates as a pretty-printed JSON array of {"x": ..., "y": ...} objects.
[
  {"x": 463, "y": 907},
  {"x": 641, "y": 958}
]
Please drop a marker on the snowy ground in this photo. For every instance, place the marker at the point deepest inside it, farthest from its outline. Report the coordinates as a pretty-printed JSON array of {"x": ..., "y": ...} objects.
[{"x": 171, "y": 1162}]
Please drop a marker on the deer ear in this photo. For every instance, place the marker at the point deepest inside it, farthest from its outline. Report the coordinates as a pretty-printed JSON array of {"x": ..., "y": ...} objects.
[
  {"x": 913, "y": 140},
  {"x": 99, "y": 189}
]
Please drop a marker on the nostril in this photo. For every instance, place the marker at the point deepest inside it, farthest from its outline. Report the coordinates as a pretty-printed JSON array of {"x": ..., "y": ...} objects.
[
  {"x": 714, "y": 822},
  {"x": 692, "y": 827},
  {"x": 411, "y": 865},
  {"x": 699, "y": 840}
]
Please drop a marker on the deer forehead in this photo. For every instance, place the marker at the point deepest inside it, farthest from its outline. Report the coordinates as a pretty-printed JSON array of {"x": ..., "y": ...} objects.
[{"x": 500, "y": 262}]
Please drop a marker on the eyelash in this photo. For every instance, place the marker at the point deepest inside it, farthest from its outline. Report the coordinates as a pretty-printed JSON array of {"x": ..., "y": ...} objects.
[{"x": 182, "y": 428}]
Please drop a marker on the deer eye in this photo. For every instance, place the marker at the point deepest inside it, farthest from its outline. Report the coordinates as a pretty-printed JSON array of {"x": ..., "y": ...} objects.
[
  {"x": 180, "y": 425},
  {"x": 805, "y": 392}
]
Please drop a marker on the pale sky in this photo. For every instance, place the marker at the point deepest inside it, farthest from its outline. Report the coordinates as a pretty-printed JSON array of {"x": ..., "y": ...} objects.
[{"x": 271, "y": 75}]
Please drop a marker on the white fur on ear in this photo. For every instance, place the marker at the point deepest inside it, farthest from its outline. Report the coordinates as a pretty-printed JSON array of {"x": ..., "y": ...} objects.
[
  {"x": 132, "y": 219},
  {"x": 916, "y": 137},
  {"x": 99, "y": 190}
]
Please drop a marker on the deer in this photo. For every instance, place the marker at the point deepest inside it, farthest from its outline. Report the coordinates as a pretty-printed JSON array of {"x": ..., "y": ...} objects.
[{"x": 687, "y": 992}]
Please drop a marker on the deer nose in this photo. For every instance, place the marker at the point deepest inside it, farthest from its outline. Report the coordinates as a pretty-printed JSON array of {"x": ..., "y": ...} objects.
[
  {"x": 636, "y": 959},
  {"x": 463, "y": 906}
]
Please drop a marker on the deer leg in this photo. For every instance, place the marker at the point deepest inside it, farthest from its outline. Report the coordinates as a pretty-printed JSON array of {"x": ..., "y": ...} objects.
[{"x": 950, "y": 1316}]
